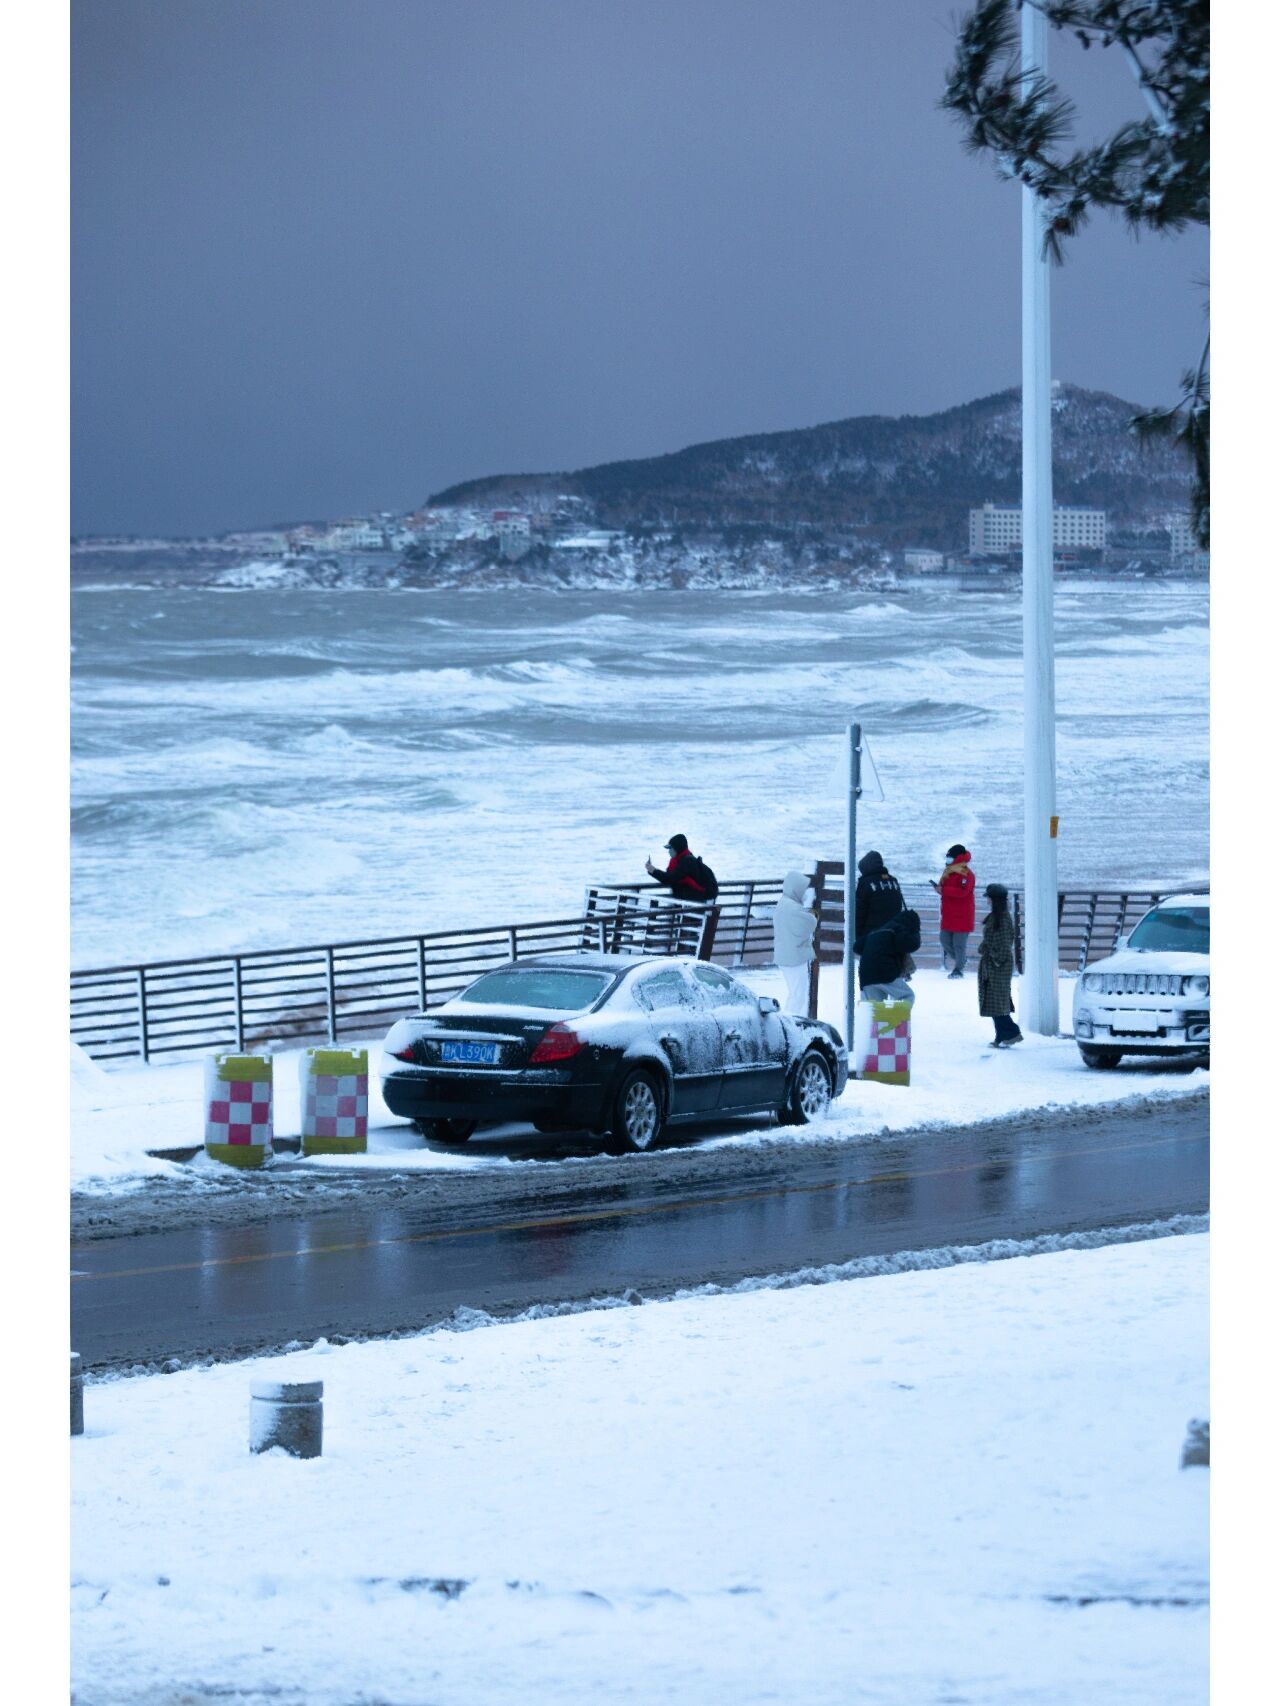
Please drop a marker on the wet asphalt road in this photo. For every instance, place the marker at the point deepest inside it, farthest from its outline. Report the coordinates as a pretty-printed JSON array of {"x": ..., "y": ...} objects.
[{"x": 229, "y": 1290}]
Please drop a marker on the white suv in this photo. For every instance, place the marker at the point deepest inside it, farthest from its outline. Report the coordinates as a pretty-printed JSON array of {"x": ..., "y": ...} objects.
[{"x": 1152, "y": 995}]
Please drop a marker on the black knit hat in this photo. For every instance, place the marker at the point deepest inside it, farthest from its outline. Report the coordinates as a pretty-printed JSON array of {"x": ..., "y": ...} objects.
[
  {"x": 996, "y": 891},
  {"x": 678, "y": 844},
  {"x": 956, "y": 851}
]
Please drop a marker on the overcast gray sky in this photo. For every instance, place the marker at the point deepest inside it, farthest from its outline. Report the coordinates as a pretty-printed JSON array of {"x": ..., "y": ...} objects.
[{"x": 332, "y": 255}]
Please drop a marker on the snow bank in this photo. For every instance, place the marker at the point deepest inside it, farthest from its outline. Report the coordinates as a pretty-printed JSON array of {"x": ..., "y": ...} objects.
[
  {"x": 957, "y": 1078},
  {"x": 959, "y": 1485},
  {"x": 117, "y": 1117}
]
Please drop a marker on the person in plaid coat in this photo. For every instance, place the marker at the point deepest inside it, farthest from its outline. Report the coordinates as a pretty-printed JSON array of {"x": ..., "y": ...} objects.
[{"x": 995, "y": 967}]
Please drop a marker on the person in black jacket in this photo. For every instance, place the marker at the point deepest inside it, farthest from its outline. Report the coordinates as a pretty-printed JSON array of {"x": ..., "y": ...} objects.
[
  {"x": 886, "y": 952},
  {"x": 686, "y": 876},
  {"x": 876, "y": 900}
]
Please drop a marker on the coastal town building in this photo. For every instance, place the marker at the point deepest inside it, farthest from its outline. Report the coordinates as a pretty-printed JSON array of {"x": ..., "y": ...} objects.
[
  {"x": 919, "y": 558},
  {"x": 1182, "y": 541},
  {"x": 997, "y": 528},
  {"x": 364, "y": 536},
  {"x": 510, "y": 524}
]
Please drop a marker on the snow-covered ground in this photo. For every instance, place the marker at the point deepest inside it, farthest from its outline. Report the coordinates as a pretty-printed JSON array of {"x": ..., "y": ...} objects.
[
  {"x": 956, "y": 1486},
  {"x": 118, "y": 1116}
]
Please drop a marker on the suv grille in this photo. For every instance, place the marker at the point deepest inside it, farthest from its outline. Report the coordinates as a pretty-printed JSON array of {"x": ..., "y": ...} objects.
[{"x": 1140, "y": 983}]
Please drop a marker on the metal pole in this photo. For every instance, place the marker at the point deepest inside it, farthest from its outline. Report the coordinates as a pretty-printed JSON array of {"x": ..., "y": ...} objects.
[
  {"x": 746, "y": 922},
  {"x": 331, "y": 994},
  {"x": 851, "y": 875},
  {"x": 144, "y": 1046},
  {"x": 1039, "y": 992}
]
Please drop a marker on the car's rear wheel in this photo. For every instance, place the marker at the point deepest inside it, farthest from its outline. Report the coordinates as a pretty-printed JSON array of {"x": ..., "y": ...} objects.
[
  {"x": 810, "y": 1096},
  {"x": 637, "y": 1112},
  {"x": 1100, "y": 1059},
  {"x": 445, "y": 1131}
]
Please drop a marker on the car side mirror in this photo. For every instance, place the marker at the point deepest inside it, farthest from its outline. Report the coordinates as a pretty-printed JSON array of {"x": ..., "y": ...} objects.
[
  {"x": 767, "y": 1004},
  {"x": 1122, "y": 941}
]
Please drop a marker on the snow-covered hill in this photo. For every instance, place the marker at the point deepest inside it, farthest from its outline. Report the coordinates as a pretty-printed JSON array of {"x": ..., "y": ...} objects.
[
  {"x": 820, "y": 508},
  {"x": 907, "y": 480}
]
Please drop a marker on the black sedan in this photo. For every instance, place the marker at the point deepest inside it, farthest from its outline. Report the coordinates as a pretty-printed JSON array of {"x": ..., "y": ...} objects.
[{"x": 608, "y": 1044}]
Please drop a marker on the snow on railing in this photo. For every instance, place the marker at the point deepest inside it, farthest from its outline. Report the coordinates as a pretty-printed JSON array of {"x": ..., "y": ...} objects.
[{"x": 332, "y": 990}]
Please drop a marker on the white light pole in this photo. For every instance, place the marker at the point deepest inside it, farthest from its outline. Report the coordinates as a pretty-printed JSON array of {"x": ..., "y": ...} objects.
[{"x": 1039, "y": 990}]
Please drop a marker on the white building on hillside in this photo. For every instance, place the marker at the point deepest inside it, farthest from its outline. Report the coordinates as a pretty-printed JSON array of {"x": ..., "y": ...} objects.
[
  {"x": 1182, "y": 540},
  {"x": 365, "y": 536},
  {"x": 918, "y": 557},
  {"x": 997, "y": 528},
  {"x": 510, "y": 524}
]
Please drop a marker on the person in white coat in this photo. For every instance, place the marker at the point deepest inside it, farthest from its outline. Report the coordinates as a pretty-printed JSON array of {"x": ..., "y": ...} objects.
[{"x": 793, "y": 930}]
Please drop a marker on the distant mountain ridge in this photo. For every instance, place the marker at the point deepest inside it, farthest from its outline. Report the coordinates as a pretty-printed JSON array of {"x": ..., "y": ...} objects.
[{"x": 908, "y": 479}]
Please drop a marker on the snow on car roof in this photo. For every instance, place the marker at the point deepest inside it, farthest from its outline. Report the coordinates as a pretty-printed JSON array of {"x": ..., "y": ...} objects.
[
  {"x": 592, "y": 960},
  {"x": 1195, "y": 897}
]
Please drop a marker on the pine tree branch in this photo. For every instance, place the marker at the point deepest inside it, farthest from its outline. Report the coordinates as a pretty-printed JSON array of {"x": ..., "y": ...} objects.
[{"x": 1153, "y": 172}]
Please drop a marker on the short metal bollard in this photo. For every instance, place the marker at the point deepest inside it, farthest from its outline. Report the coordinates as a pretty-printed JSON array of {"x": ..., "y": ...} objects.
[
  {"x": 1195, "y": 1448},
  {"x": 77, "y": 1394},
  {"x": 289, "y": 1414}
]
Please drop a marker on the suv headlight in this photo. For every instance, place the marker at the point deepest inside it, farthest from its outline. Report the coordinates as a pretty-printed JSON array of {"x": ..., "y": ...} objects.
[
  {"x": 1195, "y": 986},
  {"x": 1091, "y": 980}
]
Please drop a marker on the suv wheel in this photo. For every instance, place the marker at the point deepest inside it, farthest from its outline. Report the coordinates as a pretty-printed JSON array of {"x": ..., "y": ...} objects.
[{"x": 1101, "y": 1059}]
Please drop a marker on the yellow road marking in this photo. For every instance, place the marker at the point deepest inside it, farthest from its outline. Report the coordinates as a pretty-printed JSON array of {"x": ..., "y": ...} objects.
[{"x": 617, "y": 1213}]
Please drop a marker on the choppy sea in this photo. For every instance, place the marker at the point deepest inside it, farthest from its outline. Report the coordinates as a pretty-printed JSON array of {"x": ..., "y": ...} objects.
[{"x": 271, "y": 768}]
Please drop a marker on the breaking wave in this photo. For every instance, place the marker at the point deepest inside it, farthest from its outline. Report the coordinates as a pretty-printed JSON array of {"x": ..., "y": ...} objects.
[
  {"x": 263, "y": 767},
  {"x": 925, "y": 714}
]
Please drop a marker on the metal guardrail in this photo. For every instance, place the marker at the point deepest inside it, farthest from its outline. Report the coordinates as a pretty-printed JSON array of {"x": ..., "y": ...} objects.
[
  {"x": 1090, "y": 921},
  {"x": 328, "y": 991},
  {"x": 333, "y": 990},
  {"x": 742, "y": 931}
]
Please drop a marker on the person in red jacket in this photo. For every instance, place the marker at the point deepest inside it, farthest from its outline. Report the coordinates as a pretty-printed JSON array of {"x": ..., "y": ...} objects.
[{"x": 957, "y": 893}]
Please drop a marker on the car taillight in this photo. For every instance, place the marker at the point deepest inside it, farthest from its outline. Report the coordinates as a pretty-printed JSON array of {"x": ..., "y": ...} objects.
[
  {"x": 559, "y": 1043},
  {"x": 405, "y": 1053}
]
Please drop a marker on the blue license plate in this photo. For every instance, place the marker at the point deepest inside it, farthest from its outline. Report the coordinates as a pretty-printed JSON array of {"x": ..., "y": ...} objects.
[{"x": 470, "y": 1054}]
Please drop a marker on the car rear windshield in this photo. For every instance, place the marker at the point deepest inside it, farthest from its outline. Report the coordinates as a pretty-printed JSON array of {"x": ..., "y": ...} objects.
[
  {"x": 538, "y": 986},
  {"x": 1180, "y": 929}
]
